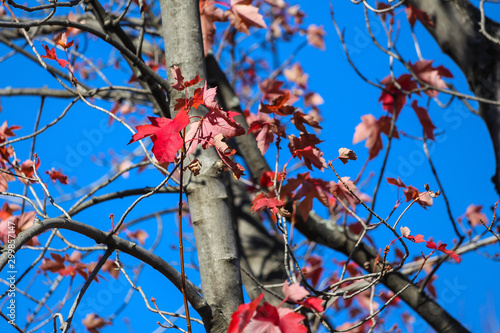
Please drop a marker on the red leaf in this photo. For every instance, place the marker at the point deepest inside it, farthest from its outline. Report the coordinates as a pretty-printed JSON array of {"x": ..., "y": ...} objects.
[
  {"x": 265, "y": 129},
  {"x": 27, "y": 168},
  {"x": 8, "y": 209},
  {"x": 57, "y": 175},
  {"x": 308, "y": 188},
  {"x": 177, "y": 75},
  {"x": 474, "y": 215},
  {"x": 422, "y": 198},
  {"x": 442, "y": 247},
  {"x": 370, "y": 130},
  {"x": 241, "y": 317},
  {"x": 433, "y": 76},
  {"x": 208, "y": 15},
  {"x": 339, "y": 190},
  {"x": 406, "y": 84},
  {"x": 396, "y": 182},
  {"x": 405, "y": 232},
  {"x": 269, "y": 319},
  {"x": 93, "y": 322},
  {"x": 296, "y": 74},
  {"x": 51, "y": 54},
  {"x": 244, "y": 15},
  {"x": 139, "y": 235},
  {"x": 315, "y": 36},
  {"x": 291, "y": 322},
  {"x": 261, "y": 201},
  {"x": 7, "y": 132},
  {"x": 224, "y": 153},
  {"x": 313, "y": 269},
  {"x": 300, "y": 118},
  {"x": 267, "y": 178},
  {"x": 313, "y": 303},
  {"x": 164, "y": 133},
  {"x": 304, "y": 147},
  {"x": 412, "y": 14},
  {"x": 346, "y": 154},
  {"x": 63, "y": 41},
  {"x": 278, "y": 106},
  {"x": 294, "y": 292},
  {"x": 424, "y": 119}
]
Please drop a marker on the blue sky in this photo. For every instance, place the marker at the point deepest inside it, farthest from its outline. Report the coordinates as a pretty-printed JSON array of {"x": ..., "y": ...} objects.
[{"x": 462, "y": 154}]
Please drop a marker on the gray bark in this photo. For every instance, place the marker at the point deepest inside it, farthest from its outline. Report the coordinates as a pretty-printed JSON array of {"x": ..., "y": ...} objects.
[
  {"x": 206, "y": 193},
  {"x": 261, "y": 254}
]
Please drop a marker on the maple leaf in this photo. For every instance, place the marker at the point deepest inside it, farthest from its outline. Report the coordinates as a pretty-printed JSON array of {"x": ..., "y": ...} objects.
[
  {"x": 294, "y": 292},
  {"x": 271, "y": 89},
  {"x": 73, "y": 18},
  {"x": 28, "y": 170},
  {"x": 234, "y": 128},
  {"x": 57, "y": 175},
  {"x": 267, "y": 178},
  {"x": 308, "y": 188},
  {"x": 296, "y": 74},
  {"x": 53, "y": 266},
  {"x": 269, "y": 319},
  {"x": 264, "y": 129},
  {"x": 431, "y": 75},
  {"x": 63, "y": 41},
  {"x": 208, "y": 15},
  {"x": 475, "y": 216},
  {"x": 139, "y": 235},
  {"x": 313, "y": 303},
  {"x": 313, "y": 99},
  {"x": 370, "y": 129},
  {"x": 346, "y": 154},
  {"x": 241, "y": 317},
  {"x": 164, "y": 133},
  {"x": 422, "y": 198},
  {"x": 224, "y": 153},
  {"x": 300, "y": 118},
  {"x": 313, "y": 269},
  {"x": 51, "y": 54},
  {"x": 304, "y": 147},
  {"x": 110, "y": 267},
  {"x": 442, "y": 248},
  {"x": 194, "y": 101},
  {"x": 391, "y": 89},
  {"x": 7, "y": 132},
  {"x": 8, "y": 209},
  {"x": 396, "y": 182},
  {"x": 425, "y": 120},
  {"x": 278, "y": 106},
  {"x": 412, "y": 14},
  {"x": 405, "y": 232},
  {"x": 261, "y": 201},
  {"x": 19, "y": 223},
  {"x": 340, "y": 191},
  {"x": 180, "y": 84},
  {"x": 243, "y": 16},
  {"x": 93, "y": 322},
  {"x": 212, "y": 124},
  {"x": 315, "y": 36}
]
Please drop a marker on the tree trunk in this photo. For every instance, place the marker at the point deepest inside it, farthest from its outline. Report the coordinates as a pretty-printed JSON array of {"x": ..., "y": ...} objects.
[{"x": 206, "y": 193}]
